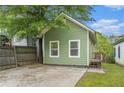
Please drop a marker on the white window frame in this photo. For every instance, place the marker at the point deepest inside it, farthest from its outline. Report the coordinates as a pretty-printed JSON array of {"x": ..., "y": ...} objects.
[
  {"x": 78, "y": 56},
  {"x": 50, "y": 49}
]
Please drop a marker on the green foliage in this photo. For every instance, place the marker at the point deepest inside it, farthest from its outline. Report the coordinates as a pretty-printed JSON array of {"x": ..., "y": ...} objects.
[
  {"x": 3, "y": 40},
  {"x": 31, "y": 20},
  {"x": 103, "y": 45},
  {"x": 110, "y": 59}
]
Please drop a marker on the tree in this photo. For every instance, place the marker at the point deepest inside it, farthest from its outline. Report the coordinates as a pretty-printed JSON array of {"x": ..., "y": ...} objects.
[
  {"x": 31, "y": 20},
  {"x": 104, "y": 47}
]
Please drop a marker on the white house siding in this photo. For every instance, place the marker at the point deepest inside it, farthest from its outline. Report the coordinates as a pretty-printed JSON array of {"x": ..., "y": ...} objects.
[
  {"x": 121, "y": 59},
  {"x": 16, "y": 42}
]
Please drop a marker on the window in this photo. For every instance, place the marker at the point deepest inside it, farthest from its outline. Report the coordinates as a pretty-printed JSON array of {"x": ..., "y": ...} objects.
[
  {"x": 118, "y": 51},
  {"x": 54, "y": 48},
  {"x": 74, "y": 48},
  {"x": 114, "y": 52}
]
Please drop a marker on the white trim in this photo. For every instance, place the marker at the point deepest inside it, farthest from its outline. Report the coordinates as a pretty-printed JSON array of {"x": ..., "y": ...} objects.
[
  {"x": 76, "y": 22},
  {"x": 72, "y": 20},
  {"x": 50, "y": 49},
  {"x": 88, "y": 61},
  {"x": 78, "y": 49}
]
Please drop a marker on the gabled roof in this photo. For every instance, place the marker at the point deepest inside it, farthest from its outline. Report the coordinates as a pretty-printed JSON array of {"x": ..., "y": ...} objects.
[
  {"x": 119, "y": 41},
  {"x": 91, "y": 31}
]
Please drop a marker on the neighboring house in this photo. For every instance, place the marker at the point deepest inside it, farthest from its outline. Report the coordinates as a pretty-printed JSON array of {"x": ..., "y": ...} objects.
[
  {"x": 115, "y": 38},
  {"x": 4, "y": 41},
  {"x": 23, "y": 42},
  {"x": 119, "y": 51},
  {"x": 68, "y": 46},
  {"x": 17, "y": 42},
  {"x": 29, "y": 41}
]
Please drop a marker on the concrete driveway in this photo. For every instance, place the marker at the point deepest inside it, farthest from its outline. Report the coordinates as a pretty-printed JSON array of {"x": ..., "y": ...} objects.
[{"x": 39, "y": 75}]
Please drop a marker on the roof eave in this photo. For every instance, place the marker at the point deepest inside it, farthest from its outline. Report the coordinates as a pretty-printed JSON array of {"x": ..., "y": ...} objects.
[
  {"x": 76, "y": 22},
  {"x": 81, "y": 25}
]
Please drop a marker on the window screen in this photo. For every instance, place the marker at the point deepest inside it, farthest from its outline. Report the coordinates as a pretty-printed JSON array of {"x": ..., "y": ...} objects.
[{"x": 74, "y": 48}]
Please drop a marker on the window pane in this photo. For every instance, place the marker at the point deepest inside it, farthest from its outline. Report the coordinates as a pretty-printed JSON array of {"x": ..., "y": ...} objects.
[
  {"x": 54, "y": 52},
  {"x": 74, "y": 44},
  {"x": 114, "y": 52},
  {"x": 74, "y": 52},
  {"x": 54, "y": 45},
  {"x": 118, "y": 51}
]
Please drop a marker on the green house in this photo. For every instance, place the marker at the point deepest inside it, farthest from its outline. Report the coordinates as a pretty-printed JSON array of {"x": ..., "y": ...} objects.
[{"x": 68, "y": 46}]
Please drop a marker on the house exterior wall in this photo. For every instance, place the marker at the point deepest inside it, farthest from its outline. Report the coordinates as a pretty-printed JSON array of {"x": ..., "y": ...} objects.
[
  {"x": 91, "y": 49},
  {"x": 63, "y": 36},
  {"x": 16, "y": 42},
  {"x": 23, "y": 42},
  {"x": 121, "y": 59}
]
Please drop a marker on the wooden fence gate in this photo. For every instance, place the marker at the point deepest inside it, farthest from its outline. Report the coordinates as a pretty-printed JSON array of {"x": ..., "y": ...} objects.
[{"x": 16, "y": 56}]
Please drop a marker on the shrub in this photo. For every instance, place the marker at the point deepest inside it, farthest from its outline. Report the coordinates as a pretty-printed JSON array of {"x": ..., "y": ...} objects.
[{"x": 110, "y": 59}]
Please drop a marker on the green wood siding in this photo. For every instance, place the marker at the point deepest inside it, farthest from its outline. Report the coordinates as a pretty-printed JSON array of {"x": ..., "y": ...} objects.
[
  {"x": 63, "y": 36},
  {"x": 91, "y": 49}
]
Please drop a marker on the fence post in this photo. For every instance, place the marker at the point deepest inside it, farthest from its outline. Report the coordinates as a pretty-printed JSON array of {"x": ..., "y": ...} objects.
[{"x": 15, "y": 56}]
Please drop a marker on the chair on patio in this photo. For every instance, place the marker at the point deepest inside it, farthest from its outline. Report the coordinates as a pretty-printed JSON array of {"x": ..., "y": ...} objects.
[
  {"x": 97, "y": 60},
  {"x": 95, "y": 63}
]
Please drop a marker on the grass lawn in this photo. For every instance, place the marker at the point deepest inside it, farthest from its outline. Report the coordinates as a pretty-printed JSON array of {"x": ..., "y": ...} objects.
[{"x": 114, "y": 77}]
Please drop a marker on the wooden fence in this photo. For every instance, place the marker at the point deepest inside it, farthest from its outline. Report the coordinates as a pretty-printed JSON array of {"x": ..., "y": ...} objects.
[
  {"x": 25, "y": 55},
  {"x": 7, "y": 58},
  {"x": 15, "y": 56}
]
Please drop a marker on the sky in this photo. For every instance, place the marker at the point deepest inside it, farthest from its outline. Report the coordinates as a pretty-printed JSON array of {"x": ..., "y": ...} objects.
[{"x": 109, "y": 20}]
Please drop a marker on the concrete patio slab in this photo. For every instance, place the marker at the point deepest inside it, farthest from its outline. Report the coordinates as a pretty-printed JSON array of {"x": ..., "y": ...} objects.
[
  {"x": 96, "y": 70},
  {"x": 38, "y": 75}
]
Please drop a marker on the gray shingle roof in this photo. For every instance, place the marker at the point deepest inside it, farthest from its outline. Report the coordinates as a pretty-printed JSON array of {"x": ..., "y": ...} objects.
[{"x": 119, "y": 41}]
